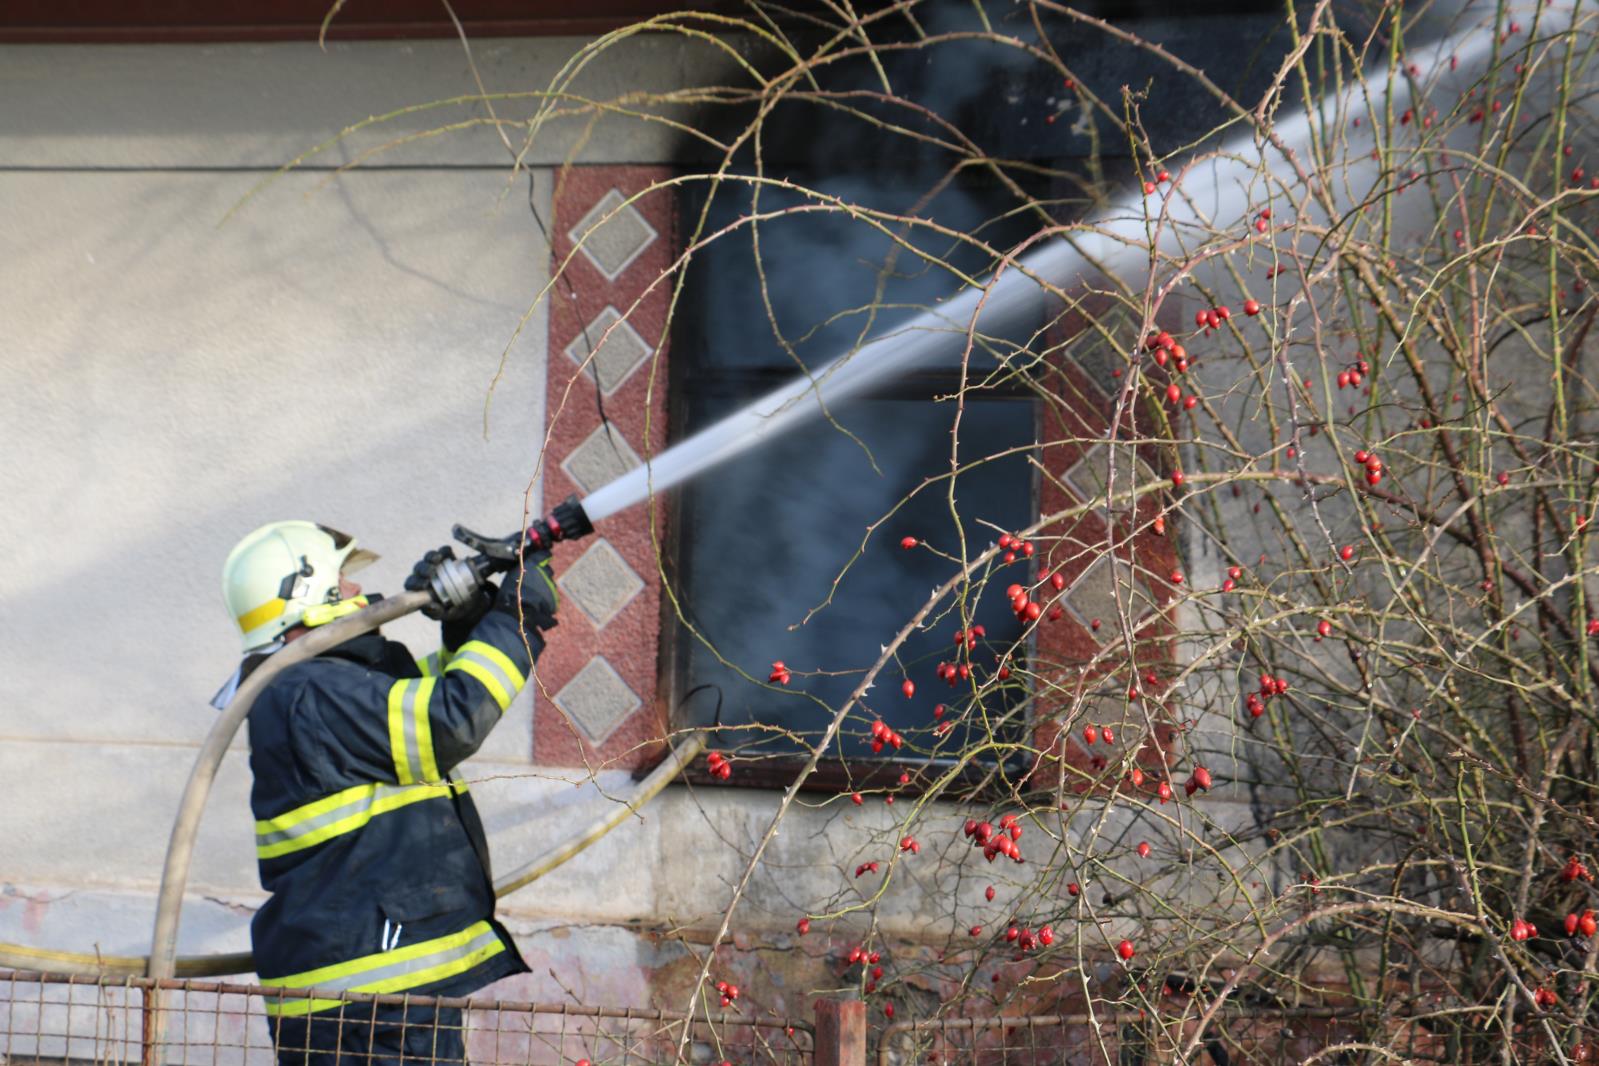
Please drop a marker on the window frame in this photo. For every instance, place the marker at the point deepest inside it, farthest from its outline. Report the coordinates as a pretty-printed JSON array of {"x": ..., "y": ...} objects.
[{"x": 871, "y": 777}]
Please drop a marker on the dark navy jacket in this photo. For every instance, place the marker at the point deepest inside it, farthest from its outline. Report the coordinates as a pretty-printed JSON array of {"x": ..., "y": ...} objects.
[{"x": 367, "y": 840}]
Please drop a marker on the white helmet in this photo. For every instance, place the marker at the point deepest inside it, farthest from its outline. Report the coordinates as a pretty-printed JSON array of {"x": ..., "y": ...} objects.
[{"x": 282, "y": 569}]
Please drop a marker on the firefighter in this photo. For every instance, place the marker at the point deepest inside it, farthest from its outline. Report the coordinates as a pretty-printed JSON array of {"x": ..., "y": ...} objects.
[{"x": 366, "y": 836}]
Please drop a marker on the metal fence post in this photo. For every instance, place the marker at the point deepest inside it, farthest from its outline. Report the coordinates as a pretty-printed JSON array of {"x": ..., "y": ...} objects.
[
  {"x": 150, "y": 1027},
  {"x": 840, "y": 1032}
]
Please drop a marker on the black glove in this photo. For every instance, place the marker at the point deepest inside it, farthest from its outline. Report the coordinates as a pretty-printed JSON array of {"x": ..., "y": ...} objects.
[
  {"x": 454, "y": 632},
  {"x": 458, "y": 592},
  {"x": 529, "y": 594}
]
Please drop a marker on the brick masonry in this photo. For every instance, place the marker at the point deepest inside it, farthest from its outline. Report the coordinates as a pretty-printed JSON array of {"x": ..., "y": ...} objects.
[
  {"x": 598, "y": 699},
  {"x": 1099, "y": 585}
]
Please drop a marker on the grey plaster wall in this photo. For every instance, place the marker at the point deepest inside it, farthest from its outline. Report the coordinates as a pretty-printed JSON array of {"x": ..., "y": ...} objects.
[
  {"x": 340, "y": 349},
  {"x": 169, "y": 380},
  {"x": 261, "y": 105}
]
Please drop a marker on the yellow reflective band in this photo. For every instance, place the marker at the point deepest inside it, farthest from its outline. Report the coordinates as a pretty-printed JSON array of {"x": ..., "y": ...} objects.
[
  {"x": 338, "y": 814},
  {"x": 411, "y": 731},
  {"x": 260, "y": 616},
  {"x": 492, "y": 668},
  {"x": 427, "y": 766},
  {"x": 390, "y": 971},
  {"x": 402, "y": 761},
  {"x": 488, "y": 680},
  {"x": 434, "y": 664},
  {"x": 499, "y": 658}
]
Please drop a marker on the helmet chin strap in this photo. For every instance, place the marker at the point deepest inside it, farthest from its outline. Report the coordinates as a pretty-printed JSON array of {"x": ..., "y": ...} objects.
[
  {"x": 321, "y": 614},
  {"x": 318, "y": 615},
  {"x": 225, "y": 694}
]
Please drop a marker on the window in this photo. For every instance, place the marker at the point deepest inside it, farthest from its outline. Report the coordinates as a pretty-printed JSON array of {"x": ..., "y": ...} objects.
[{"x": 760, "y": 541}]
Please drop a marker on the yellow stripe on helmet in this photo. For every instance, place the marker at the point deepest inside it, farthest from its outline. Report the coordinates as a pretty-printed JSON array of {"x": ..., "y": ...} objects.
[{"x": 261, "y": 614}]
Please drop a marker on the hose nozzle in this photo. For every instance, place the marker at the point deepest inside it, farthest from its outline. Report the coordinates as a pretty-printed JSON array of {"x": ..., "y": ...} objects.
[
  {"x": 497, "y": 555},
  {"x": 567, "y": 522}
]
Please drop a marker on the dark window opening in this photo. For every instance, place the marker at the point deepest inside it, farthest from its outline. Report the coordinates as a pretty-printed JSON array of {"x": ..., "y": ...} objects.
[{"x": 760, "y": 541}]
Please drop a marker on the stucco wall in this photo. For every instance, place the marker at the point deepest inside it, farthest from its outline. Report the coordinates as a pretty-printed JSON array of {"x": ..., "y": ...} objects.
[
  {"x": 169, "y": 380},
  {"x": 171, "y": 377}
]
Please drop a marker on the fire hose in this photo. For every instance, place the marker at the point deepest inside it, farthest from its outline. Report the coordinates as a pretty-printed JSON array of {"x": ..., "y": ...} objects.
[{"x": 495, "y": 556}]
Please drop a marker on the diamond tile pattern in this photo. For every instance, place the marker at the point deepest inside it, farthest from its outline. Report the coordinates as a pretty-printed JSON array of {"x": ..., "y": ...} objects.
[
  {"x": 600, "y": 582},
  {"x": 603, "y": 457},
  {"x": 620, "y": 352},
  {"x": 1090, "y": 476},
  {"x": 616, "y": 243},
  {"x": 597, "y": 699},
  {"x": 1098, "y": 362},
  {"x": 1094, "y": 595}
]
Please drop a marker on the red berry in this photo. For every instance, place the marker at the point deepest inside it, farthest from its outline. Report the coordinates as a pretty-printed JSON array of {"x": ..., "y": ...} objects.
[
  {"x": 1125, "y": 950},
  {"x": 1324, "y": 628},
  {"x": 803, "y": 926},
  {"x": 1202, "y": 777},
  {"x": 1143, "y": 849},
  {"x": 1073, "y": 889},
  {"x": 1251, "y": 308},
  {"x": 1347, "y": 552},
  {"x": 1177, "y": 479},
  {"x": 909, "y": 688},
  {"x": 1173, "y": 393},
  {"x": 1090, "y": 735},
  {"x": 907, "y": 543}
]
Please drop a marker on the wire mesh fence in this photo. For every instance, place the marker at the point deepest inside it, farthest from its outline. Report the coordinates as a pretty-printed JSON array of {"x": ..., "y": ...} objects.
[
  {"x": 1107, "y": 1039},
  {"x": 60, "y": 1020}
]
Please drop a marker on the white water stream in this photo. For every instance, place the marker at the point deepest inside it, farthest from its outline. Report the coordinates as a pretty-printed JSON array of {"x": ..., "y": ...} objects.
[{"x": 1222, "y": 191}]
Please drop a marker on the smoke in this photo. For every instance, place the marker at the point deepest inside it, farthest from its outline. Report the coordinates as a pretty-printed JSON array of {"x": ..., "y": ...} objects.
[{"x": 764, "y": 537}]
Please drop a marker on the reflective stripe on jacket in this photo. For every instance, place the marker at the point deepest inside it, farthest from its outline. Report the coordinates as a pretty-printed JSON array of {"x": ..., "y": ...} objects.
[{"x": 366, "y": 838}]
